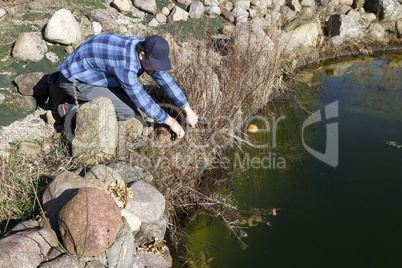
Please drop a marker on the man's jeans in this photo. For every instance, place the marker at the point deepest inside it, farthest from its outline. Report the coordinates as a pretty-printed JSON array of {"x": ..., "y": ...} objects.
[{"x": 123, "y": 105}]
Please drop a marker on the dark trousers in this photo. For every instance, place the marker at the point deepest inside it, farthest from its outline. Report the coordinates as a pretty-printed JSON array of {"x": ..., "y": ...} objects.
[{"x": 123, "y": 105}]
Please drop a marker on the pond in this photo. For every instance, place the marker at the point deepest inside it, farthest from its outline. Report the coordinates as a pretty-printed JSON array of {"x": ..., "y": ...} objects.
[{"x": 339, "y": 212}]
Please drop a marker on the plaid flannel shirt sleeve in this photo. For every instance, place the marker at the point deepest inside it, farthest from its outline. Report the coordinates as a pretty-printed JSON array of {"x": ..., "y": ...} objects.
[
  {"x": 166, "y": 82},
  {"x": 140, "y": 97}
]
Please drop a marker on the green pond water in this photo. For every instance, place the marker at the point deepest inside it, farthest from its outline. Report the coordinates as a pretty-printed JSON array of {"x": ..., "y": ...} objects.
[{"x": 344, "y": 216}]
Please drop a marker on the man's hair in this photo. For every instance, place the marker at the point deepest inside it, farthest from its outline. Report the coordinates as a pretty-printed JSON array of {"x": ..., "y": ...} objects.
[{"x": 139, "y": 48}]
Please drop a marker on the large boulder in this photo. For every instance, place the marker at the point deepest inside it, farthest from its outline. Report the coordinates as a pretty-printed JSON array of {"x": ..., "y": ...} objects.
[
  {"x": 305, "y": 30},
  {"x": 107, "y": 21},
  {"x": 121, "y": 253},
  {"x": 287, "y": 42},
  {"x": 343, "y": 25},
  {"x": 63, "y": 188},
  {"x": 31, "y": 84},
  {"x": 146, "y": 5},
  {"x": 146, "y": 202},
  {"x": 27, "y": 248},
  {"x": 389, "y": 10},
  {"x": 29, "y": 47},
  {"x": 89, "y": 222},
  {"x": 96, "y": 134},
  {"x": 62, "y": 28}
]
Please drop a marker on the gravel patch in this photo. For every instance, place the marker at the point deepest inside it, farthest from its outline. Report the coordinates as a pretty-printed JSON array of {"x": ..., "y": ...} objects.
[{"x": 31, "y": 128}]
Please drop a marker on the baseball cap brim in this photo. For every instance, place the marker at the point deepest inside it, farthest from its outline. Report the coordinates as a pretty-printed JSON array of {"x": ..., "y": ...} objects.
[{"x": 160, "y": 65}]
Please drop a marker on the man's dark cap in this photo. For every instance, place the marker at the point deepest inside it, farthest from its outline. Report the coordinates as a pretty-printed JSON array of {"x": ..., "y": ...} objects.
[{"x": 157, "y": 48}]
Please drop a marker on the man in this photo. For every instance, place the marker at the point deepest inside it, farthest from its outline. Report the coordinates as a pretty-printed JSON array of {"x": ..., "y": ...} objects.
[{"x": 109, "y": 64}]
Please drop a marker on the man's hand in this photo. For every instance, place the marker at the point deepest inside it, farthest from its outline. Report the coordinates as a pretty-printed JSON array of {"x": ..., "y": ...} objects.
[
  {"x": 191, "y": 117},
  {"x": 175, "y": 127}
]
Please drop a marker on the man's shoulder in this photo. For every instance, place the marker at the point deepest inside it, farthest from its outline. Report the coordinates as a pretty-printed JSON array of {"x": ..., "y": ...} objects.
[{"x": 111, "y": 38}]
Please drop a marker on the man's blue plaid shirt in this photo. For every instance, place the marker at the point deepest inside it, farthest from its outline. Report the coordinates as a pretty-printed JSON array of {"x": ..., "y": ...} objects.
[{"x": 110, "y": 60}]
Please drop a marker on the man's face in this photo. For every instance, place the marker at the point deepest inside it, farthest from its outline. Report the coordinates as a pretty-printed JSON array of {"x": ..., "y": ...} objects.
[{"x": 146, "y": 64}]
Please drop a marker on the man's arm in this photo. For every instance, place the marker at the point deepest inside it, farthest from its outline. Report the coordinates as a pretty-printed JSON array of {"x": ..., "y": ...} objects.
[{"x": 166, "y": 82}]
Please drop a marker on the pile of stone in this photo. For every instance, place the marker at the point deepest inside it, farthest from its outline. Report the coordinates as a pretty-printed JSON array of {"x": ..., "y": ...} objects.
[
  {"x": 300, "y": 22},
  {"x": 86, "y": 226}
]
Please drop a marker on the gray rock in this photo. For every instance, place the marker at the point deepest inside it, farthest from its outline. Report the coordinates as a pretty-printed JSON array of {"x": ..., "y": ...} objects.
[
  {"x": 31, "y": 84},
  {"x": 64, "y": 261},
  {"x": 250, "y": 35},
  {"x": 243, "y": 4},
  {"x": 238, "y": 11},
  {"x": 308, "y": 3},
  {"x": 123, "y": 6},
  {"x": 305, "y": 30},
  {"x": 196, "y": 10},
  {"x": 26, "y": 248},
  {"x": 129, "y": 135},
  {"x": 104, "y": 174},
  {"x": 2, "y": 98},
  {"x": 344, "y": 26},
  {"x": 2, "y": 13},
  {"x": 97, "y": 27},
  {"x": 29, "y": 47},
  {"x": 95, "y": 264},
  {"x": 96, "y": 133},
  {"x": 153, "y": 23},
  {"x": 146, "y": 5},
  {"x": 287, "y": 13},
  {"x": 147, "y": 203},
  {"x": 398, "y": 26},
  {"x": 27, "y": 103},
  {"x": 89, "y": 222},
  {"x": 108, "y": 22},
  {"x": 227, "y": 15},
  {"x": 354, "y": 13},
  {"x": 35, "y": 5},
  {"x": 155, "y": 229},
  {"x": 177, "y": 14},
  {"x": 132, "y": 220},
  {"x": 165, "y": 11},
  {"x": 358, "y": 3},
  {"x": 376, "y": 30},
  {"x": 62, "y": 189},
  {"x": 252, "y": 13},
  {"x": 161, "y": 17},
  {"x": 336, "y": 41},
  {"x": 62, "y": 28},
  {"x": 213, "y": 10},
  {"x": 389, "y": 10},
  {"x": 344, "y": 9},
  {"x": 24, "y": 226},
  {"x": 28, "y": 148},
  {"x": 295, "y": 5},
  {"x": 131, "y": 173},
  {"x": 368, "y": 17},
  {"x": 142, "y": 260},
  {"x": 121, "y": 253},
  {"x": 287, "y": 42}
]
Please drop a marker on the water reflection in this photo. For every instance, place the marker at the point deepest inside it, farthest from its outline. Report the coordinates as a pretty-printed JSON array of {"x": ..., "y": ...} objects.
[{"x": 347, "y": 216}]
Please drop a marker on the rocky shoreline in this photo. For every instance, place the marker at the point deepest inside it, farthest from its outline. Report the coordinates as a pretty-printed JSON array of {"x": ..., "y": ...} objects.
[{"x": 125, "y": 221}]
